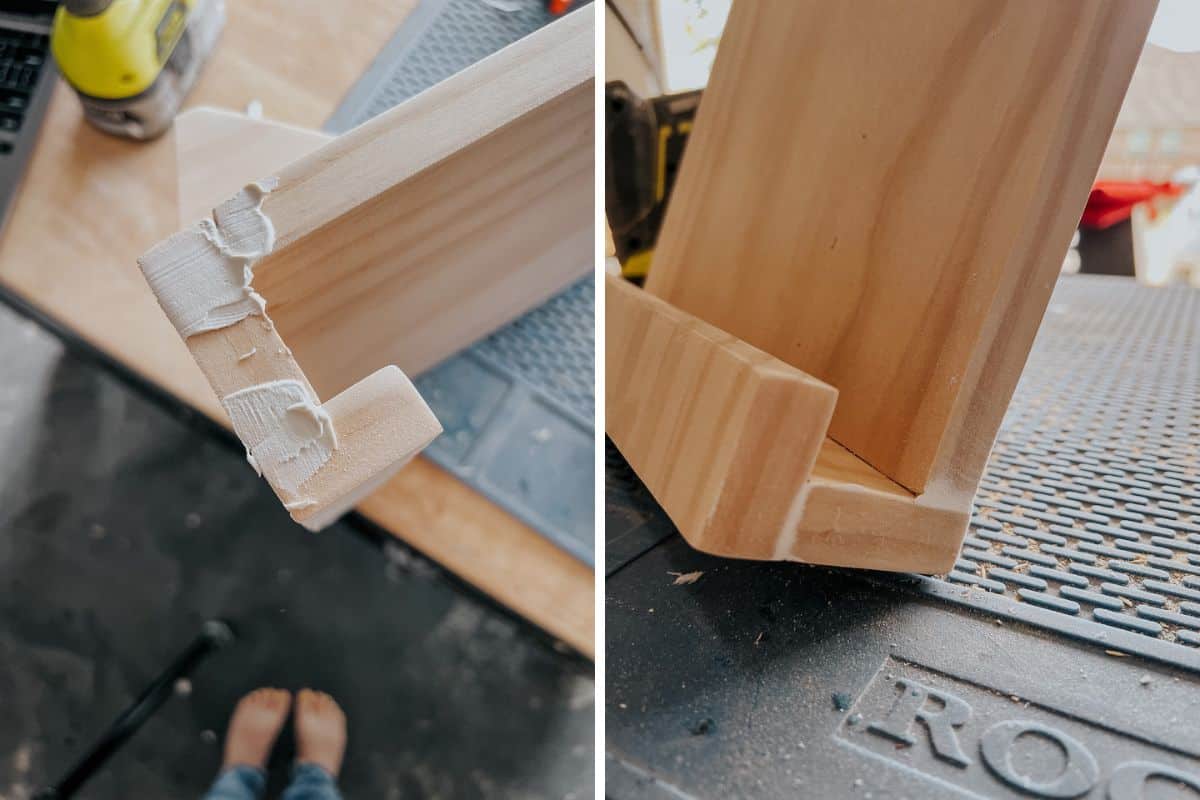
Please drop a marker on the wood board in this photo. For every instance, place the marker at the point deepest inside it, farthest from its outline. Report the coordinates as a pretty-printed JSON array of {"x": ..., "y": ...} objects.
[
  {"x": 891, "y": 217},
  {"x": 722, "y": 467},
  {"x": 741, "y": 462}
]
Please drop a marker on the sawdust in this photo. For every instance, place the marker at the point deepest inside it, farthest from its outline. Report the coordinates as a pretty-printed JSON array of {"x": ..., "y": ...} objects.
[{"x": 685, "y": 578}]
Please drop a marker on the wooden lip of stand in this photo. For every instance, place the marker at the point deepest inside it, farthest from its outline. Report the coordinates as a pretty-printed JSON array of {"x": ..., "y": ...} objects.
[{"x": 747, "y": 470}]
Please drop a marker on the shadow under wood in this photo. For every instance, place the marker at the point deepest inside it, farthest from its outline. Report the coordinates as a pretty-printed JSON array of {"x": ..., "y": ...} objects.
[{"x": 678, "y": 641}]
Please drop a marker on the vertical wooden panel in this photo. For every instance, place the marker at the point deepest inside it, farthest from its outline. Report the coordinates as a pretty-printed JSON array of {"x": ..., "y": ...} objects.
[{"x": 880, "y": 194}]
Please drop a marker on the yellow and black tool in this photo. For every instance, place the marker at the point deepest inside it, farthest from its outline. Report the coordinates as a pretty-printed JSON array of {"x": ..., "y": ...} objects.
[
  {"x": 644, "y": 143},
  {"x": 133, "y": 61}
]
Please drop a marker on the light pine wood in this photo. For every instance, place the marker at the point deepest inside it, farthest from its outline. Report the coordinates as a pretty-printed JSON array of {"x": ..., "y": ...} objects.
[
  {"x": 446, "y": 256},
  {"x": 120, "y": 196},
  {"x": 448, "y": 216},
  {"x": 889, "y": 219},
  {"x": 381, "y": 421},
  {"x": 854, "y": 516},
  {"x": 742, "y": 430},
  {"x": 529, "y": 76},
  {"x": 731, "y": 442}
]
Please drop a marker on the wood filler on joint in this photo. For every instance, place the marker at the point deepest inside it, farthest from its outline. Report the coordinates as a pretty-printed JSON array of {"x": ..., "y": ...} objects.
[{"x": 203, "y": 279}]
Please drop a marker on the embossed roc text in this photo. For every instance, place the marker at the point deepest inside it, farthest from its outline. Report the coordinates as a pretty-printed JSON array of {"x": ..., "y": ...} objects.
[{"x": 956, "y": 732}]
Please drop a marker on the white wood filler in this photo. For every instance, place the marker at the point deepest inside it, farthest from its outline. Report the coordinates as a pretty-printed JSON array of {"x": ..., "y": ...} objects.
[
  {"x": 286, "y": 432},
  {"x": 203, "y": 280},
  {"x": 202, "y": 276}
]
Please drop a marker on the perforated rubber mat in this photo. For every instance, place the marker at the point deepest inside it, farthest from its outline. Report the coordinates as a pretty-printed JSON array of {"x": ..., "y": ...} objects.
[
  {"x": 1090, "y": 507},
  {"x": 439, "y": 38},
  {"x": 517, "y": 407},
  {"x": 1087, "y": 521}
]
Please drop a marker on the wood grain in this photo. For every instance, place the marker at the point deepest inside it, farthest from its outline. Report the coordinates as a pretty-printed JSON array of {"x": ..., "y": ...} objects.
[
  {"x": 854, "y": 516},
  {"x": 447, "y": 216},
  {"x": 446, "y": 519},
  {"x": 524, "y": 78},
  {"x": 381, "y": 421},
  {"x": 731, "y": 442},
  {"x": 890, "y": 217},
  {"x": 446, "y": 256},
  {"x": 724, "y": 435},
  {"x": 424, "y": 253}
]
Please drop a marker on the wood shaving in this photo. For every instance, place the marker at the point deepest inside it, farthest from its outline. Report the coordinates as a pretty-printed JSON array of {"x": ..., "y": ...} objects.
[{"x": 684, "y": 578}]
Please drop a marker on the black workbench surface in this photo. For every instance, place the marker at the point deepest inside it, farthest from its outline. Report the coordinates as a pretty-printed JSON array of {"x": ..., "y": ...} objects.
[
  {"x": 123, "y": 528},
  {"x": 1061, "y": 657}
]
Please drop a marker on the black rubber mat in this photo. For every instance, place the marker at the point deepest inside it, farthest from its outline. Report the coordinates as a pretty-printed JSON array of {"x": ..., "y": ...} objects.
[
  {"x": 1080, "y": 571},
  {"x": 1090, "y": 507}
]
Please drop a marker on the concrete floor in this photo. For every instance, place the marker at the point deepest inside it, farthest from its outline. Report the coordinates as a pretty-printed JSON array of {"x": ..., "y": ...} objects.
[{"x": 122, "y": 529}]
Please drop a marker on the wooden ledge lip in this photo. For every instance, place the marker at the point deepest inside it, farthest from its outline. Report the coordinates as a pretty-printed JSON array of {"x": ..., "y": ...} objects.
[
  {"x": 733, "y": 444},
  {"x": 724, "y": 435}
]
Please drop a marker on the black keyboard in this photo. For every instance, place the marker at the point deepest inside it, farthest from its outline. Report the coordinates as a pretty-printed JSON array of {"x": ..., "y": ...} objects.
[
  {"x": 27, "y": 79},
  {"x": 22, "y": 56}
]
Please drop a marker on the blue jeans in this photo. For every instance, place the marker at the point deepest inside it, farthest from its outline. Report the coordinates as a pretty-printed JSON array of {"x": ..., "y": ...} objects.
[{"x": 309, "y": 782}]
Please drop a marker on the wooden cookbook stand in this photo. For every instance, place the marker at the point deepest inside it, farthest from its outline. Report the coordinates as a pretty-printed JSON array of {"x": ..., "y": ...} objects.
[{"x": 869, "y": 220}]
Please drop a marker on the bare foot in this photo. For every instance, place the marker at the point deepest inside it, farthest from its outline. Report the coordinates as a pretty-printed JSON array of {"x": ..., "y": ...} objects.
[
  {"x": 320, "y": 731},
  {"x": 255, "y": 724}
]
